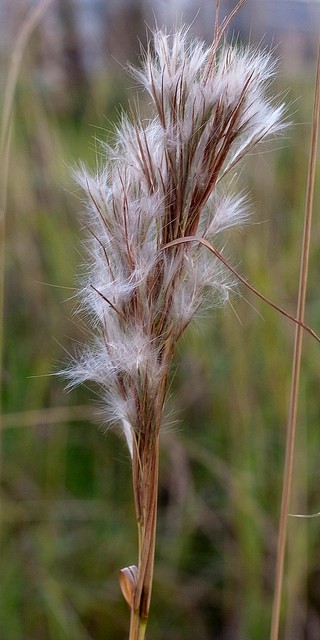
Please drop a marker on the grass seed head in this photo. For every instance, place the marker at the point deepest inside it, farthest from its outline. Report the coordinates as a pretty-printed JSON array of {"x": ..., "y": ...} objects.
[{"x": 161, "y": 183}]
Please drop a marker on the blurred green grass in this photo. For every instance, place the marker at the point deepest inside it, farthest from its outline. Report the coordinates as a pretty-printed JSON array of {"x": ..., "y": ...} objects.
[{"x": 67, "y": 514}]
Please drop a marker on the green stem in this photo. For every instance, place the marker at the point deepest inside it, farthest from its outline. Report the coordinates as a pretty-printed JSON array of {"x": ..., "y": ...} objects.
[{"x": 138, "y": 626}]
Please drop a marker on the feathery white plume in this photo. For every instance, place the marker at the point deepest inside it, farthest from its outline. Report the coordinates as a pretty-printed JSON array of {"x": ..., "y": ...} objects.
[{"x": 160, "y": 184}]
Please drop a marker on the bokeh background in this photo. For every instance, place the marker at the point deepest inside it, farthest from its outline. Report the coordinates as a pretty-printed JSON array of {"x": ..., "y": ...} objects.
[{"x": 67, "y": 516}]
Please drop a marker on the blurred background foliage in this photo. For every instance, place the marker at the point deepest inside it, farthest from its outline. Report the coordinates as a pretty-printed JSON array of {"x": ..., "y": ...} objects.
[{"x": 67, "y": 516}]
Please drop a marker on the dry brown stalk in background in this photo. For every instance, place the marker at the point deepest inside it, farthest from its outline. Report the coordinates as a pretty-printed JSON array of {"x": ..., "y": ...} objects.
[
  {"x": 296, "y": 364},
  {"x": 28, "y": 26}
]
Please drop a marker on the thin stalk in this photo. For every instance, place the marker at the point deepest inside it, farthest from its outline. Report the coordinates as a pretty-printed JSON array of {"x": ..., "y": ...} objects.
[
  {"x": 147, "y": 526},
  {"x": 220, "y": 257},
  {"x": 137, "y": 626},
  {"x": 296, "y": 366},
  {"x": 46, "y": 416},
  {"x": 30, "y": 23}
]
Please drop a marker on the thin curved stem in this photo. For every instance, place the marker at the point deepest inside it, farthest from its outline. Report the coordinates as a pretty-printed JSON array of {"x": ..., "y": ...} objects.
[{"x": 298, "y": 322}]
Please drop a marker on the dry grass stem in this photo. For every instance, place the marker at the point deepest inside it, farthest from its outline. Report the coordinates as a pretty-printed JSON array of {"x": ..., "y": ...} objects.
[
  {"x": 241, "y": 279},
  {"x": 30, "y": 23},
  {"x": 46, "y": 416},
  {"x": 296, "y": 366},
  {"x": 163, "y": 185}
]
